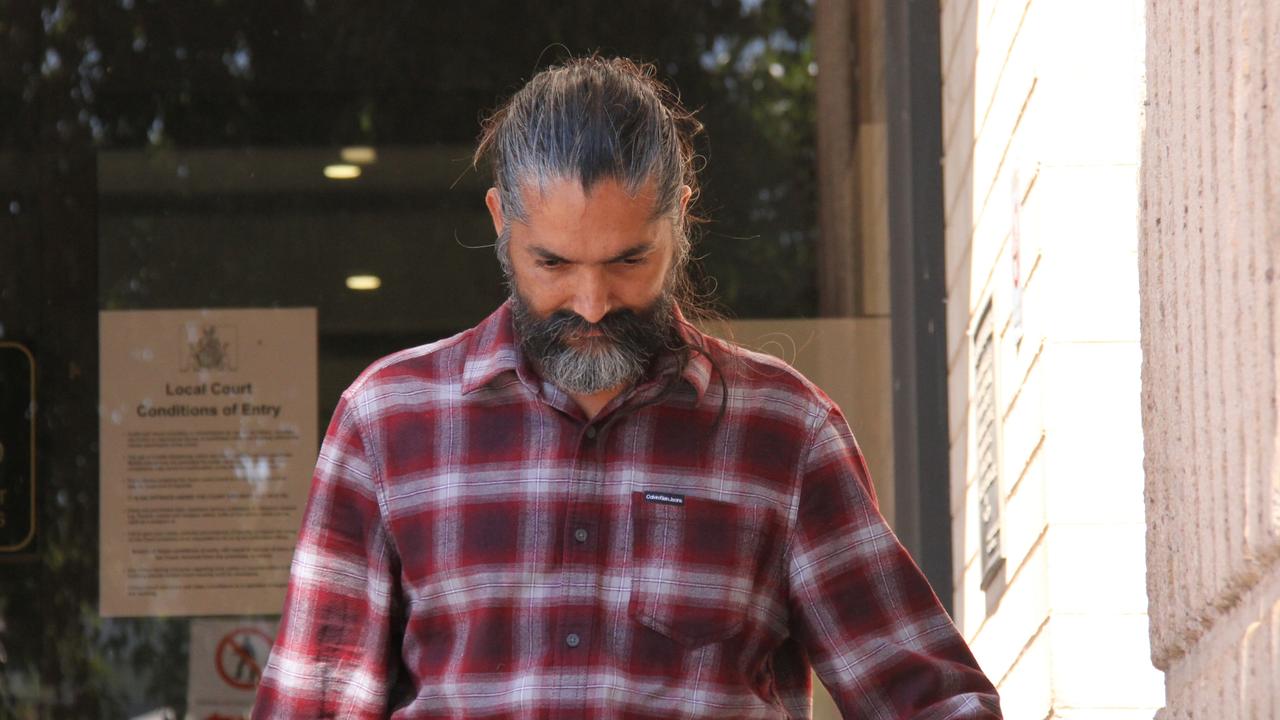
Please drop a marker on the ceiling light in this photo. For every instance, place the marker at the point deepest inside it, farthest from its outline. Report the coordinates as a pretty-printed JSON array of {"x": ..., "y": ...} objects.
[
  {"x": 342, "y": 172},
  {"x": 364, "y": 282},
  {"x": 359, "y": 155}
]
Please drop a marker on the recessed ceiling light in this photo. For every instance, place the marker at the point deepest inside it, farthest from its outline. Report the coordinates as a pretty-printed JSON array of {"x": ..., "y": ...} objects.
[
  {"x": 342, "y": 172},
  {"x": 359, "y": 155},
  {"x": 364, "y": 282}
]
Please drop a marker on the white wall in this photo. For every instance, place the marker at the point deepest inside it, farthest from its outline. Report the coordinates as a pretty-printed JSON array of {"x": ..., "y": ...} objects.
[{"x": 1042, "y": 104}]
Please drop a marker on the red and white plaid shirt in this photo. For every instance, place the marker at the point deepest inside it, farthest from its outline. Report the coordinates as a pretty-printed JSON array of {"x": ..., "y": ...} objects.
[{"x": 474, "y": 547}]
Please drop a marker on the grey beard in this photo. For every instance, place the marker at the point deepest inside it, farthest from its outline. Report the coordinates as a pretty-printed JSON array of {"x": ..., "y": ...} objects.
[
  {"x": 618, "y": 357},
  {"x": 589, "y": 370}
]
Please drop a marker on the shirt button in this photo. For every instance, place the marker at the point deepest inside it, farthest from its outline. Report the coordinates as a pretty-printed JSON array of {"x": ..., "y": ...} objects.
[
  {"x": 572, "y": 640},
  {"x": 591, "y": 432},
  {"x": 580, "y": 535}
]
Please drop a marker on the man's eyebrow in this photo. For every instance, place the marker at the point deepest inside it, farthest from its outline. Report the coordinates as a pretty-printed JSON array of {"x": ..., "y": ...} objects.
[
  {"x": 637, "y": 249},
  {"x": 546, "y": 254},
  {"x": 640, "y": 248}
]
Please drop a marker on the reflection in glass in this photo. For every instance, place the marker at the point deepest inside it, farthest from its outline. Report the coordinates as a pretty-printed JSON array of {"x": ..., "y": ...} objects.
[{"x": 162, "y": 155}]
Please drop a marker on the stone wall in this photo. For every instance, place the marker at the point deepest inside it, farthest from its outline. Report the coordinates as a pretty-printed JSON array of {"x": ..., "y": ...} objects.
[{"x": 1210, "y": 235}]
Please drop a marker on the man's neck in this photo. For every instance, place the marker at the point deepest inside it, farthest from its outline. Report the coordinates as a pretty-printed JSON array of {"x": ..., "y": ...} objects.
[{"x": 593, "y": 403}]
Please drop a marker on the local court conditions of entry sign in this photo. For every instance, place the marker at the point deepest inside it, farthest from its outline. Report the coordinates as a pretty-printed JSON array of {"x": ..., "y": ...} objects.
[{"x": 208, "y": 439}]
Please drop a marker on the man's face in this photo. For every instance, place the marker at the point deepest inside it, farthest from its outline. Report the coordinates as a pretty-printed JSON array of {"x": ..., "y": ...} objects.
[{"x": 590, "y": 280}]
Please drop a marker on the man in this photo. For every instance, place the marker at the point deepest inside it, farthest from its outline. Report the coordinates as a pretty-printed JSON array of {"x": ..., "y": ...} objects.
[{"x": 585, "y": 508}]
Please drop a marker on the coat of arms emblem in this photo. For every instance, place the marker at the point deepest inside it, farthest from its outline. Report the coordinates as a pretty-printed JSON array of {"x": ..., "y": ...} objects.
[{"x": 209, "y": 351}]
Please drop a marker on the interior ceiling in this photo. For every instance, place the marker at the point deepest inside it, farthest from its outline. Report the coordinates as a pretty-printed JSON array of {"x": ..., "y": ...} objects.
[
  {"x": 248, "y": 171},
  {"x": 264, "y": 227}
]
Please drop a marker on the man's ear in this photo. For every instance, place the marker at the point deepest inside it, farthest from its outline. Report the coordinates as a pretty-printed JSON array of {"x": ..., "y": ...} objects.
[
  {"x": 685, "y": 195},
  {"x": 493, "y": 201}
]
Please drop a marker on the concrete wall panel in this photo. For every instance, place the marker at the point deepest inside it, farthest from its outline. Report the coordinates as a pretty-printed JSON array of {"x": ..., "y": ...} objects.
[{"x": 1207, "y": 261}]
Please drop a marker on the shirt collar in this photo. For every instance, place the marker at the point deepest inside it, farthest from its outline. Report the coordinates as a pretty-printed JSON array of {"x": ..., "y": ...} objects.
[
  {"x": 697, "y": 370},
  {"x": 494, "y": 351}
]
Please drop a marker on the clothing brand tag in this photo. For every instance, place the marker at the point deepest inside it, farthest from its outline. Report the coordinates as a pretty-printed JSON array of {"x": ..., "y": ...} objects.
[{"x": 664, "y": 498}]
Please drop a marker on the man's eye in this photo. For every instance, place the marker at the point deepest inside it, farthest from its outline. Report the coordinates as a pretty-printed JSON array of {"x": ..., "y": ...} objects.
[
  {"x": 632, "y": 261},
  {"x": 550, "y": 264}
]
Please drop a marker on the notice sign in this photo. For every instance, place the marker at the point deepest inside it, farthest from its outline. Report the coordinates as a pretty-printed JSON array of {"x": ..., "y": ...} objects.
[
  {"x": 208, "y": 441},
  {"x": 227, "y": 660}
]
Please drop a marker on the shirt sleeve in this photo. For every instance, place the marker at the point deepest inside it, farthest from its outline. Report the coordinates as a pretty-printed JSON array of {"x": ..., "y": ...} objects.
[
  {"x": 335, "y": 653},
  {"x": 874, "y": 630}
]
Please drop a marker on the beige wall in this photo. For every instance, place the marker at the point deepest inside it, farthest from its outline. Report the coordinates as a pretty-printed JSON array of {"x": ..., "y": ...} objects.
[
  {"x": 1042, "y": 103},
  {"x": 1210, "y": 236},
  {"x": 852, "y": 162}
]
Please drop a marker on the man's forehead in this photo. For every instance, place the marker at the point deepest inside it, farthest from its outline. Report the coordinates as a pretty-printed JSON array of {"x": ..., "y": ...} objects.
[
  {"x": 567, "y": 195},
  {"x": 572, "y": 222}
]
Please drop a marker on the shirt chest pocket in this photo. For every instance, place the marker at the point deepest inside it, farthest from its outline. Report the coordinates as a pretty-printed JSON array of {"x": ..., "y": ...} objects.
[{"x": 694, "y": 565}]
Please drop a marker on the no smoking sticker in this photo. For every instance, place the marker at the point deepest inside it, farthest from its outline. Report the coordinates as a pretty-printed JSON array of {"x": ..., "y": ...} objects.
[
  {"x": 241, "y": 655},
  {"x": 228, "y": 658}
]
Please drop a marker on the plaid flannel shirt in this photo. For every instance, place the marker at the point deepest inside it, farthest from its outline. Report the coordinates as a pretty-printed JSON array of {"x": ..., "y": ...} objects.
[{"x": 475, "y": 547}]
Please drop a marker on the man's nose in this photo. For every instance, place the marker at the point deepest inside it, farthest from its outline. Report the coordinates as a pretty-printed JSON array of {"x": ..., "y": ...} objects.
[{"x": 591, "y": 296}]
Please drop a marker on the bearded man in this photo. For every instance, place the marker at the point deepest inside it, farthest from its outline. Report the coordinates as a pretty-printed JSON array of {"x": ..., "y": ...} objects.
[{"x": 583, "y": 507}]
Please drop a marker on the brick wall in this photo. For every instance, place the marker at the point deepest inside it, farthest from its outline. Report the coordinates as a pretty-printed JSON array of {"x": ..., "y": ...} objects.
[
  {"x": 1042, "y": 104},
  {"x": 1210, "y": 235}
]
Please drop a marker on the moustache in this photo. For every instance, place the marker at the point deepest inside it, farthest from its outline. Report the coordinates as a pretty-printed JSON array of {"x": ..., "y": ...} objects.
[{"x": 615, "y": 326}]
